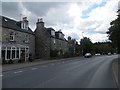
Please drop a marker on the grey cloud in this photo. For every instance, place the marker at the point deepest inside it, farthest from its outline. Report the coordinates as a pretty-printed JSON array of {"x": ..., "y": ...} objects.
[
  {"x": 75, "y": 36},
  {"x": 11, "y": 9},
  {"x": 40, "y": 8}
]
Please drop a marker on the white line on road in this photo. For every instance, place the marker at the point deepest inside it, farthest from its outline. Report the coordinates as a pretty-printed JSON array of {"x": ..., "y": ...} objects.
[
  {"x": 52, "y": 64},
  {"x": 44, "y": 66},
  {"x": 18, "y": 72},
  {"x": 63, "y": 62},
  {"x": 34, "y": 68},
  {"x": 1, "y": 75}
]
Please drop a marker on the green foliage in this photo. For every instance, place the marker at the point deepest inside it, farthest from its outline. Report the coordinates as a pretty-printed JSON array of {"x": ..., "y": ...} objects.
[
  {"x": 86, "y": 45},
  {"x": 114, "y": 32},
  {"x": 4, "y": 61},
  {"x": 10, "y": 61},
  {"x": 54, "y": 53},
  {"x": 103, "y": 48}
]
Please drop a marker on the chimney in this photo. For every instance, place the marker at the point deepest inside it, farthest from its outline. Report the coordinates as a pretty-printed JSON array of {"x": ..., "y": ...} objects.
[
  {"x": 69, "y": 39},
  {"x": 119, "y": 8},
  {"x": 40, "y": 23}
]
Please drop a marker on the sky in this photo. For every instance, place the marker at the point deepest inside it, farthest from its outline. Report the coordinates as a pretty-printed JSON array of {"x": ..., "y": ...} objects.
[{"x": 75, "y": 18}]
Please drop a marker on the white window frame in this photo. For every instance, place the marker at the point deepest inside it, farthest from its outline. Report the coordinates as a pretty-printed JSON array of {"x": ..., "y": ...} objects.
[
  {"x": 23, "y": 25},
  {"x": 13, "y": 36},
  {"x": 11, "y": 53},
  {"x": 0, "y": 53},
  {"x": 26, "y": 38},
  {"x": 54, "y": 41},
  {"x": 52, "y": 33}
]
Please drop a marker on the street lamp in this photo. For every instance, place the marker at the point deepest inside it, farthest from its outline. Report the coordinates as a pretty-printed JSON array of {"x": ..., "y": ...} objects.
[{"x": 82, "y": 43}]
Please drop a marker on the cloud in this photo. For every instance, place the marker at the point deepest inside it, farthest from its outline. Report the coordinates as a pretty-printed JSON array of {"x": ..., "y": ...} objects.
[{"x": 92, "y": 17}]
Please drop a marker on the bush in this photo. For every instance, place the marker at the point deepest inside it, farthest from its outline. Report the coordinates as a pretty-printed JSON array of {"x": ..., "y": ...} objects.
[
  {"x": 4, "y": 61},
  {"x": 30, "y": 58},
  {"x": 10, "y": 61},
  {"x": 54, "y": 53}
]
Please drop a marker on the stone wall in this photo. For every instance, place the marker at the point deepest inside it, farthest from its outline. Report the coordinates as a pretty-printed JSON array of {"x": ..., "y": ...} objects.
[
  {"x": 59, "y": 44},
  {"x": 19, "y": 39},
  {"x": 42, "y": 43}
]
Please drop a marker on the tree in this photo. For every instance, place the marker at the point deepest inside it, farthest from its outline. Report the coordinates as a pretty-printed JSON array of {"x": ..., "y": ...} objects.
[
  {"x": 114, "y": 32},
  {"x": 86, "y": 45}
]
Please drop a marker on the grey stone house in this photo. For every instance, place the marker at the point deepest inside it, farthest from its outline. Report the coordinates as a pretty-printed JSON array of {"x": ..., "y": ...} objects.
[
  {"x": 17, "y": 40},
  {"x": 42, "y": 40},
  {"x": 58, "y": 42},
  {"x": 47, "y": 39}
]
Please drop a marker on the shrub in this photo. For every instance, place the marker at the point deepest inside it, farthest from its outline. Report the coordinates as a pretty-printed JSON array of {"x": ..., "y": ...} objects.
[
  {"x": 10, "y": 61},
  {"x": 4, "y": 61},
  {"x": 30, "y": 58}
]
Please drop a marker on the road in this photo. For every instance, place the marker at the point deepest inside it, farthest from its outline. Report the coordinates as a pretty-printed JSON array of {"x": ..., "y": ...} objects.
[{"x": 94, "y": 72}]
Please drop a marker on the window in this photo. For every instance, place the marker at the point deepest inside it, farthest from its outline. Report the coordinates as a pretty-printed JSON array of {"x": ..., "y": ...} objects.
[
  {"x": 3, "y": 52},
  {"x": 12, "y": 36},
  {"x": 27, "y": 52},
  {"x": 8, "y": 52},
  {"x": 52, "y": 33},
  {"x": 13, "y": 52},
  {"x": 54, "y": 42},
  {"x": 60, "y": 35},
  {"x": 23, "y": 25},
  {"x": 17, "y": 53},
  {"x": 26, "y": 38}
]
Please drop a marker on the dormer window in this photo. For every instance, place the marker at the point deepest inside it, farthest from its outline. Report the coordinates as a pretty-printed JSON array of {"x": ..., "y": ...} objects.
[
  {"x": 24, "y": 23},
  {"x": 12, "y": 36},
  {"x": 52, "y": 33}
]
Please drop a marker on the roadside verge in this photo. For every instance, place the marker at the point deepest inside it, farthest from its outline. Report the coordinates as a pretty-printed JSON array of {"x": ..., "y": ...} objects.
[
  {"x": 116, "y": 72},
  {"x": 8, "y": 67}
]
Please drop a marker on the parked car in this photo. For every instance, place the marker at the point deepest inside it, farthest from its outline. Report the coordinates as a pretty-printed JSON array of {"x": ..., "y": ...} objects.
[
  {"x": 87, "y": 55},
  {"x": 97, "y": 54},
  {"x": 109, "y": 53}
]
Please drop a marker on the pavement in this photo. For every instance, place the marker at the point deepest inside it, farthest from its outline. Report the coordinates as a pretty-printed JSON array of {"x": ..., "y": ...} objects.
[
  {"x": 8, "y": 67},
  {"x": 116, "y": 72},
  {"x": 94, "y": 72}
]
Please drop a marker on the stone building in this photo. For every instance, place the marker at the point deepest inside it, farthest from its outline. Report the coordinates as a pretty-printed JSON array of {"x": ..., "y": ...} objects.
[
  {"x": 17, "y": 40},
  {"x": 47, "y": 39},
  {"x": 57, "y": 41},
  {"x": 42, "y": 40}
]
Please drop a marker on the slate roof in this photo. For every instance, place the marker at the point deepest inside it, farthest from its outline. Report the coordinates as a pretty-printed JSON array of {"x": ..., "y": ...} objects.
[
  {"x": 12, "y": 24},
  {"x": 56, "y": 34}
]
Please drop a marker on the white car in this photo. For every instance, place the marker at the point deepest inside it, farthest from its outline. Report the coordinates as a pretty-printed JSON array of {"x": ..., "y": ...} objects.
[
  {"x": 97, "y": 54},
  {"x": 87, "y": 55}
]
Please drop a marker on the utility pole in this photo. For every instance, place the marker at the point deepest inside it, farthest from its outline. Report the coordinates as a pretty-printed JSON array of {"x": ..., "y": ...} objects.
[{"x": 82, "y": 43}]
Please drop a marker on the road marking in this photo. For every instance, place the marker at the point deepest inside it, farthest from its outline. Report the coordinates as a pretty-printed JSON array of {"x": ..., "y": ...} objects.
[
  {"x": 52, "y": 64},
  {"x": 44, "y": 66},
  {"x": 18, "y": 72},
  {"x": 34, "y": 68},
  {"x": 58, "y": 63},
  {"x": 1, "y": 75}
]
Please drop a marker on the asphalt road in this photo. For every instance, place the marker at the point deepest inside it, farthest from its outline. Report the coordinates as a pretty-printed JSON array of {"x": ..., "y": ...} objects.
[{"x": 94, "y": 72}]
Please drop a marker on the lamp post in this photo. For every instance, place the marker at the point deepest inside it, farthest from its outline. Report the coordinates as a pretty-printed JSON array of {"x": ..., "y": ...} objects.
[{"x": 82, "y": 43}]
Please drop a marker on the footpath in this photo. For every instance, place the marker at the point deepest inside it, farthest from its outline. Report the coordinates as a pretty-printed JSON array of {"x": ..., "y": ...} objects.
[
  {"x": 116, "y": 71},
  {"x": 8, "y": 67}
]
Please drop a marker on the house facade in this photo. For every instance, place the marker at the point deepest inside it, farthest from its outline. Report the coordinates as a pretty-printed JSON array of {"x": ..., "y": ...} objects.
[
  {"x": 17, "y": 39},
  {"x": 47, "y": 40},
  {"x": 18, "y": 42}
]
